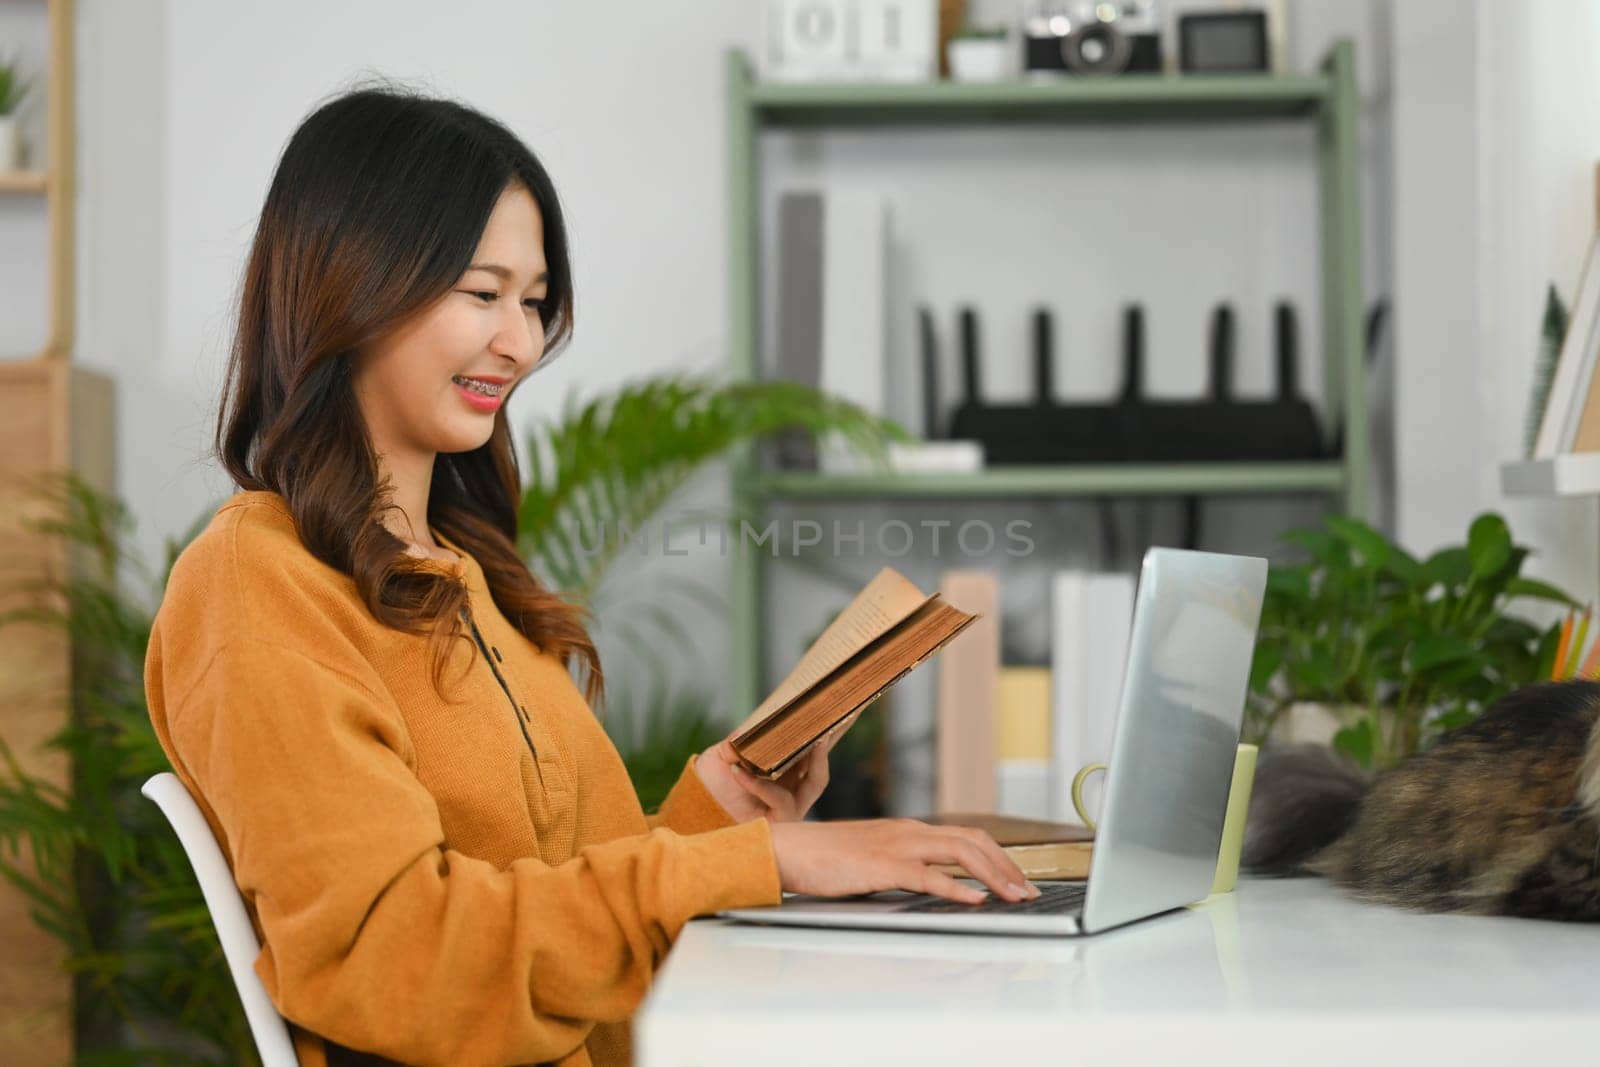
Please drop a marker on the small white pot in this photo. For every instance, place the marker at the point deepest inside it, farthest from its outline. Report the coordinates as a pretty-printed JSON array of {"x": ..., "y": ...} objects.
[
  {"x": 1308, "y": 722},
  {"x": 979, "y": 59},
  {"x": 10, "y": 144}
]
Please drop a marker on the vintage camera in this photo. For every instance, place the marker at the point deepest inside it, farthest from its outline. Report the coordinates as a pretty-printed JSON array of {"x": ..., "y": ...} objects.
[{"x": 1093, "y": 38}]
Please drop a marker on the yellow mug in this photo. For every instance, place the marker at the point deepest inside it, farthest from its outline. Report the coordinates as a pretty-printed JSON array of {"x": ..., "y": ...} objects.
[{"x": 1244, "y": 776}]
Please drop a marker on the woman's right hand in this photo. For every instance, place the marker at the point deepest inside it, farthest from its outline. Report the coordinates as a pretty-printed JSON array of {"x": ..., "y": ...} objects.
[{"x": 837, "y": 859}]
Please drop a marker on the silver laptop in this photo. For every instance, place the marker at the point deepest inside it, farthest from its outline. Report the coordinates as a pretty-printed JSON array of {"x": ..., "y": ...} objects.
[{"x": 1194, "y": 631}]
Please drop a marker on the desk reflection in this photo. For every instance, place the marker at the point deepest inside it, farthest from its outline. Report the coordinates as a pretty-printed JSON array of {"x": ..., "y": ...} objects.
[{"x": 839, "y": 971}]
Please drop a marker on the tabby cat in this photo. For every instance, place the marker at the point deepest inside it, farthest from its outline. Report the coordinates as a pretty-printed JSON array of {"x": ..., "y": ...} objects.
[{"x": 1500, "y": 817}]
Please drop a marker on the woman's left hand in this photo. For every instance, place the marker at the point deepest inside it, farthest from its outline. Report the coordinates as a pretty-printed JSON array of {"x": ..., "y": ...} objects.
[{"x": 784, "y": 799}]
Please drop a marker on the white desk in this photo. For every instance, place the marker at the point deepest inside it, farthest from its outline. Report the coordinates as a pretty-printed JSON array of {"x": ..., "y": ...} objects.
[{"x": 1291, "y": 972}]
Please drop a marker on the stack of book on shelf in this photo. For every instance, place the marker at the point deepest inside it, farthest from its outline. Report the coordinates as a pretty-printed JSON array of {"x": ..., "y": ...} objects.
[
  {"x": 1564, "y": 414},
  {"x": 1022, "y": 742},
  {"x": 1011, "y": 738},
  {"x": 1562, "y": 431}
]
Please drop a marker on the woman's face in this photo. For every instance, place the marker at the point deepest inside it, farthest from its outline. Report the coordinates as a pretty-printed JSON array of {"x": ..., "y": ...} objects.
[{"x": 434, "y": 384}]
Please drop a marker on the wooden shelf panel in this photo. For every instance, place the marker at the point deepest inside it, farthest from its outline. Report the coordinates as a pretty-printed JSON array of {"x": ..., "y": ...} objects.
[
  {"x": 1118, "y": 479},
  {"x": 23, "y": 181}
]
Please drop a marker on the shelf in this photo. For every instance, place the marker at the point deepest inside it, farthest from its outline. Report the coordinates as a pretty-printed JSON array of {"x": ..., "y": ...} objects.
[
  {"x": 23, "y": 181},
  {"x": 1123, "y": 479},
  {"x": 1573, "y": 474},
  {"x": 1148, "y": 96},
  {"x": 1326, "y": 99}
]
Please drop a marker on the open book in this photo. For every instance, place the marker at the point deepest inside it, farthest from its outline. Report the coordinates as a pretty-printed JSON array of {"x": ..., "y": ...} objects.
[{"x": 889, "y": 628}]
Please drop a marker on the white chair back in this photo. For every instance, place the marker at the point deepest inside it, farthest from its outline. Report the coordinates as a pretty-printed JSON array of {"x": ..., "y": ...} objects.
[{"x": 239, "y": 944}]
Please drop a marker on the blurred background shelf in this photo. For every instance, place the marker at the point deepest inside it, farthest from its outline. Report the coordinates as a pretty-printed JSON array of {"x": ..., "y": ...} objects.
[
  {"x": 1573, "y": 474},
  {"x": 1109, "y": 478},
  {"x": 1129, "y": 97},
  {"x": 1326, "y": 99},
  {"x": 24, "y": 181}
]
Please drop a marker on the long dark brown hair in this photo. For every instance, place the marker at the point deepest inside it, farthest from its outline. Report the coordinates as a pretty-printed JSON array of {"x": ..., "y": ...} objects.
[{"x": 375, "y": 210}]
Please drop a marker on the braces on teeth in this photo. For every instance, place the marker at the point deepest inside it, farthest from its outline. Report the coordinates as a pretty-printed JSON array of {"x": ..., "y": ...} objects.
[{"x": 478, "y": 387}]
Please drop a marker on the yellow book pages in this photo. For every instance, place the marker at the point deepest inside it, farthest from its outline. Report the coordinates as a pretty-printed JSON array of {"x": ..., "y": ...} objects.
[
  {"x": 1012, "y": 830},
  {"x": 1064, "y": 861},
  {"x": 1588, "y": 436}
]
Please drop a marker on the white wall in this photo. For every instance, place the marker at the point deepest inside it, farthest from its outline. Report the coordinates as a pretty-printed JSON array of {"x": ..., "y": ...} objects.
[
  {"x": 1496, "y": 138},
  {"x": 1437, "y": 261},
  {"x": 1539, "y": 102},
  {"x": 185, "y": 106}
]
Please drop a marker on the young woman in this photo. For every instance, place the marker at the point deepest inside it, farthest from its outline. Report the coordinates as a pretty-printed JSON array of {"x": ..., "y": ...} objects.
[{"x": 368, "y": 691}]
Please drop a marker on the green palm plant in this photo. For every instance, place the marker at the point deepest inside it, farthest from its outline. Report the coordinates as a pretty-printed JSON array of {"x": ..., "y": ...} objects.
[
  {"x": 619, "y": 458},
  {"x": 107, "y": 877},
  {"x": 609, "y": 465}
]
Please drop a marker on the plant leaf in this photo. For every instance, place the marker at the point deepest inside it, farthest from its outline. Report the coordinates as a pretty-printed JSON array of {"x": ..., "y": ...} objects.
[
  {"x": 1449, "y": 567},
  {"x": 1489, "y": 544},
  {"x": 1372, "y": 545},
  {"x": 1357, "y": 742},
  {"x": 1537, "y": 590},
  {"x": 1434, "y": 650}
]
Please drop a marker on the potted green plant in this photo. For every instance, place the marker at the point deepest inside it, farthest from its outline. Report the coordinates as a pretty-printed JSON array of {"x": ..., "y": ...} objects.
[
  {"x": 109, "y": 879},
  {"x": 12, "y": 91},
  {"x": 1390, "y": 649},
  {"x": 980, "y": 54}
]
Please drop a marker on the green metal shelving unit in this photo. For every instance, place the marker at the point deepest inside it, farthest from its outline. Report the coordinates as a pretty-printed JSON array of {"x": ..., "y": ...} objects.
[{"x": 1327, "y": 98}]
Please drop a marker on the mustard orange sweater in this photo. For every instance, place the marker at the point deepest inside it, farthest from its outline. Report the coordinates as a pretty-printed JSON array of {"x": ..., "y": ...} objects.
[{"x": 435, "y": 883}]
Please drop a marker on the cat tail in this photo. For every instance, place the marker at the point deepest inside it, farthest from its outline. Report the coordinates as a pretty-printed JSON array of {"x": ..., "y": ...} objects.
[{"x": 1304, "y": 799}]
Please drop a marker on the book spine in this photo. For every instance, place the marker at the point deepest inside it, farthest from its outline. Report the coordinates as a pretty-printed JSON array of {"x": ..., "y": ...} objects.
[
  {"x": 1068, "y": 691},
  {"x": 1110, "y": 613},
  {"x": 1553, "y": 428},
  {"x": 855, "y": 235},
  {"x": 912, "y": 709},
  {"x": 799, "y": 311},
  {"x": 1022, "y": 760},
  {"x": 968, "y": 692}
]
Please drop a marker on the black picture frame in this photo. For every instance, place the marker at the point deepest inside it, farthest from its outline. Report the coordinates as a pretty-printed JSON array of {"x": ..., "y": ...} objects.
[{"x": 1196, "y": 38}]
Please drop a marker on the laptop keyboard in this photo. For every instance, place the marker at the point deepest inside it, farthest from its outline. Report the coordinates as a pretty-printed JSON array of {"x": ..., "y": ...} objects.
[{"x": 1055, "y": 898}]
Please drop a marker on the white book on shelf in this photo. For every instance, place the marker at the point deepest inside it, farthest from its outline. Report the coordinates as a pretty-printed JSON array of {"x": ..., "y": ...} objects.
[
  {"x": 1022, "y": 788},
  {"x": 1109, "y": 610},
  {"x": 913, "y": 759},
  {"x": 1558, "y": 428},
  {"x": 1069, "y": 672},
  {"x": 855, "y": 267}
]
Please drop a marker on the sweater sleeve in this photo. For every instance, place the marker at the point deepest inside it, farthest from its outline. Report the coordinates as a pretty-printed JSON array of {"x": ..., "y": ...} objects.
[
  {"x": 690, "y": 808},
  {"x": 378, "y": 937}
]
